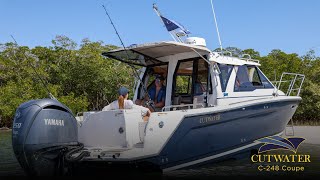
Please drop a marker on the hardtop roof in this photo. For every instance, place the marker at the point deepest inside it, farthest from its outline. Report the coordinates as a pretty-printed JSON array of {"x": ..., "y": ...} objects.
[{"x": 153, "y": 54}]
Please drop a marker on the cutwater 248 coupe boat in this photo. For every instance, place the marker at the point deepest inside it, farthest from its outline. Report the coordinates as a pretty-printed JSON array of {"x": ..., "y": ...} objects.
[{"x": 236, "y": 106}]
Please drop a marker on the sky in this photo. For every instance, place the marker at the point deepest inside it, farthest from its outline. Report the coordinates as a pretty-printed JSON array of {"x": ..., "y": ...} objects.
[{"x": 292, "y": 26}]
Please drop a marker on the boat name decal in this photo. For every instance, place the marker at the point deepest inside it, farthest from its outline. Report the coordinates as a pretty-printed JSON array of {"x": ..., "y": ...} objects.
[
  {"x": 54, "y": 122},
  {"x": 207, "y": 119}
]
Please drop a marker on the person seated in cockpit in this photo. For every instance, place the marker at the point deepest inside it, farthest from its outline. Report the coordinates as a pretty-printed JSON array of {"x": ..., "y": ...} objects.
[{"x": 157, "y": 94}]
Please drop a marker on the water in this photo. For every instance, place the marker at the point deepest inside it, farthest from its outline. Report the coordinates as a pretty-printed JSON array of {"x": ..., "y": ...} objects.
[
  {"x": 244, "y": 167},
  {"x": 8, "y": 163}
]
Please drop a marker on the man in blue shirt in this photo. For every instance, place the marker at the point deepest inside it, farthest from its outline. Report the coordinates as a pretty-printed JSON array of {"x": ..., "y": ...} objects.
[{"x": 157, "y": 94}]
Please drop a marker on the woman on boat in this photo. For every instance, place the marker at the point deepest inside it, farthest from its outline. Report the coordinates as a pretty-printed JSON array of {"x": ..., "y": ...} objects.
[{"x": 124, "y": 103}]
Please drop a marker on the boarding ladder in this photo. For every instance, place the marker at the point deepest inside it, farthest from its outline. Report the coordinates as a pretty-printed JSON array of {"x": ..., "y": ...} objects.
[{"x": 292, "y": 82}]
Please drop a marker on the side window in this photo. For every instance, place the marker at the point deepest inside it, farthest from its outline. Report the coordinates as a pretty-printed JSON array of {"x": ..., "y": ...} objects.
[
  {"x": 201, "y": 78},
  {"x": 183, "y": 84},
  {"x": 257, "y": 78},
  {"x": 190, "y": 82},
  {"x": 225, "y": 70},
  {"x": 242, "y": 82},
  {"x": 264, "y": 80},
  {"x": 149, "y": 78},
  {"x": 254, "y": 77}
]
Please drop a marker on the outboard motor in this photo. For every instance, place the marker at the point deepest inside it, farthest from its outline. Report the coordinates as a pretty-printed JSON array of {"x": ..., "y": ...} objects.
[{"x": 42, "y": 131}]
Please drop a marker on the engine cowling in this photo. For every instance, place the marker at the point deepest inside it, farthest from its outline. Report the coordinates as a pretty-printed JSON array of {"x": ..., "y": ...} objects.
[{"x": 41, "y": 129}]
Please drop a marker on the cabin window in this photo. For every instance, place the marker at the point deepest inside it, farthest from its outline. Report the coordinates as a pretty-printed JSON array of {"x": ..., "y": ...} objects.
[
  {"x": 201, "y": 78},
  {"x": 183, "y": 84},
  {"x": 149, "y": 78},
  {"x": 191, "y": 82},
  {"x": 242, "y": 81},
  {"x": 225, "y": 70},
  {"x": 258, "y": 79}
]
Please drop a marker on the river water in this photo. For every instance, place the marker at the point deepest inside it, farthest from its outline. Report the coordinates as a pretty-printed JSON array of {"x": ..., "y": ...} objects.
[{"x": 244, "y": 167}]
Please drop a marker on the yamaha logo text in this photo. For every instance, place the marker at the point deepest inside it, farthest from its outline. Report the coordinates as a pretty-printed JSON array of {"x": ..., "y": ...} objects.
[{"x": 54, "y": 122}]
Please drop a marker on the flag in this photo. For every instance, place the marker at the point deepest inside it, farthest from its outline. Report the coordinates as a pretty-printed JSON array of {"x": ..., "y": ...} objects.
[{"x": 172, "y": 25}]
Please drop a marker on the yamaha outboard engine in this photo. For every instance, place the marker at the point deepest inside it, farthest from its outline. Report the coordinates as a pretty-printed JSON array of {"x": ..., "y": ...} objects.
[{"x": 42, "y": 130}]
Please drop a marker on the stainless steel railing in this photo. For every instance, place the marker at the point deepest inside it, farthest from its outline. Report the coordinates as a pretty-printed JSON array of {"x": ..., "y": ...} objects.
[{"x": 292, "y": 87}]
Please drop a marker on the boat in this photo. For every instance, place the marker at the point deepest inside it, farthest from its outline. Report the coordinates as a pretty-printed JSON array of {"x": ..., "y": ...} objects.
[{"x": 238, "y": 106}]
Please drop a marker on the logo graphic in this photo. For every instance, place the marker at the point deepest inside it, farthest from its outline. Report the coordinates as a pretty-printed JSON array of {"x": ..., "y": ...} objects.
[{"x": 277, "y": 142}]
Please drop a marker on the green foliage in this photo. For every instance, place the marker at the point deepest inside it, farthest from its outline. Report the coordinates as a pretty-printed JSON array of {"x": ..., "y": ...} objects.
[
  {"x": 183, "y": 85},
  {"x": 310, "y": 105},
  {"x": 254, "y": 54},
  {"x": 80, "y": 78},
  {"x": 75, "y": 103}
]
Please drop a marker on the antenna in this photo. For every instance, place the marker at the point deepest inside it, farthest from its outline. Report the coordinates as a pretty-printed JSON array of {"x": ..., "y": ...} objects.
[
  {"x": 34, "y": 69},
  {"x": 215, "y": 20},
  {"x": 150, "y": 102},
  {"x": 115, "y": 29}
]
